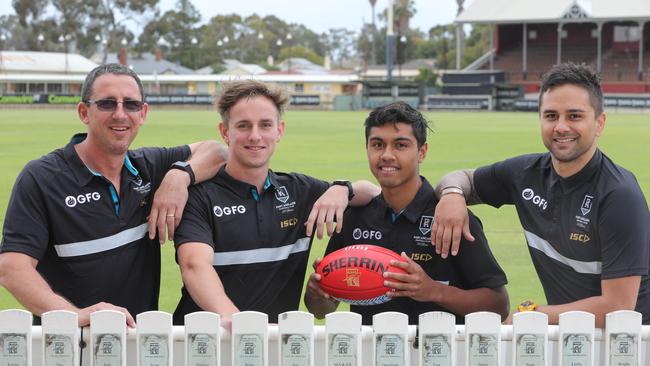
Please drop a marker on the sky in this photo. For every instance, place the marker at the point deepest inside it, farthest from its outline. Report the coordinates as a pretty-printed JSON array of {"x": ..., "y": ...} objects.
[{"x": 318, "y": 15}]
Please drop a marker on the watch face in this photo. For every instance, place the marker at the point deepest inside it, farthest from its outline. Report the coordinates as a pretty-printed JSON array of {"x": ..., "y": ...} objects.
[{"x": 181, "y": 164}]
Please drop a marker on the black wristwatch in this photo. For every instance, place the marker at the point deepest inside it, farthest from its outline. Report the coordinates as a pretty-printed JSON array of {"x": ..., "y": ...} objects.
[
  {"x": 346, "y": 183},
  {"x": 186, "y": 167}
]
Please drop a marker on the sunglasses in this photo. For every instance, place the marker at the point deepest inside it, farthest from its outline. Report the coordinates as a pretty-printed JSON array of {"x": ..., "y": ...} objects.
[{"x": 110, "y": 105}]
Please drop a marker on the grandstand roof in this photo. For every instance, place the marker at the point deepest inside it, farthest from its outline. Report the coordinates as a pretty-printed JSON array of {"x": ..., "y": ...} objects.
[
  {"x": 553, "y": 11},
  {"x": 146, "y": 63},
  {"x": 44, "y": 62}
]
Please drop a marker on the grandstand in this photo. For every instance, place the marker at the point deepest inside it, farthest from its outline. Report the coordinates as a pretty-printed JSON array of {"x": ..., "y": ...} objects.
[{"x": 529, "y": 36}]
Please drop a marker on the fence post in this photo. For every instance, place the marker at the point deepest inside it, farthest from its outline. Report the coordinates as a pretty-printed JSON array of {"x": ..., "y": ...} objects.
[
  {"x": 154, "y": 341},
  {"x": 576, "y": 339},
  {"x": 60, "y": 338},
  {"x": 295, "y": 339},
  {"x": 343, "y": 339},
  {"x": 15, "y": 337},
  {"x": 390, "y": 339},
  {"x": 202, "y": 339},
  {"x": 530, "y": 338},
  {"x": 437, "y": 339},
  {"x": 623, "y": 338},
  {"x": 107, "y": 338},
  {"x": 483, "y": 338},
  {"x": 250, "y": 339}
]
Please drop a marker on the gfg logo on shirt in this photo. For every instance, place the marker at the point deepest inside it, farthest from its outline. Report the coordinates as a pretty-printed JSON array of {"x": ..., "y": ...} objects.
[
  {"x": 366, "y": 234},
  {"x": 529, "y": 195},
  {"x": 72, "y": 201},
  {"x": 228, "y": 210}
]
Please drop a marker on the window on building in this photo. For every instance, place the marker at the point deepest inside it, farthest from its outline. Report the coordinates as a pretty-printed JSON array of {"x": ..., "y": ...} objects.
[
  {"x": 20, "y": 88},
  {"x": 299, "y": 88},
  {"x": 54, "y": 88},
  {"x": 37, "y": 88}
]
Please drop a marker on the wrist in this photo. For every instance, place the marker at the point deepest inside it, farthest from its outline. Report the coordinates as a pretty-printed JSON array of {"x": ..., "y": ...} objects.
[
  {"x": 451, "y": 189},
  {"x": 527, "y": 305},
  {"x": 178, "y": 174},
  {"x": 185, "y": 167},
  {"x": 345, "y": 183}
]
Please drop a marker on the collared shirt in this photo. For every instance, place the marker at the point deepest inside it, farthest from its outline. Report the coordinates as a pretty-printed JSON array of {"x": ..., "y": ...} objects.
[
  {"x": 580, "y": 230},
  {"x": 88, "y": 248},
  {"x": 410, "y": 232},
  {"x": 260, "y": 246}
]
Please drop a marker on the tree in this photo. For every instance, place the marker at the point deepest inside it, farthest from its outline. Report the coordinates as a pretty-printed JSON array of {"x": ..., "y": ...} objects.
[
  {"x": 427, "y": 77},
  {"x": 175, "y": 30},
  {"x": 340, "y": 44},
  {"x": 300, "y": 51},
  {"x": 80, "y": 22}
]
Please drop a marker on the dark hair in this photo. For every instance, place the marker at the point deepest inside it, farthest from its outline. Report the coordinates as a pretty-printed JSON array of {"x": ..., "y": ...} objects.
[
  {"x": 575, "y": 74},
  {"x": 114, "y": 69},
  {"x": 399, "y": 112},
  {"x": 234, "y": 91}
]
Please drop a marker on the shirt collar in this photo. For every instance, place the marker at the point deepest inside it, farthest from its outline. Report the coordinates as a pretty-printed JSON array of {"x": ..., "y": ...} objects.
[
  {"x": 243, "y": 189},
  {"x": 585, "y": 174},
  {"x": 413, "y": 211},
  {"x": 80, "y": 170}
]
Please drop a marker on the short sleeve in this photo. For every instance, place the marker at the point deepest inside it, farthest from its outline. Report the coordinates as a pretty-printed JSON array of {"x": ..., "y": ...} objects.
[
  {"x": 159, "y": 159},
  {"x": 624, "y": 231},
  {"x": 26, "y": 227},
  {"x": 495, "y": 184},
  {"x": 195, "y": 225}
]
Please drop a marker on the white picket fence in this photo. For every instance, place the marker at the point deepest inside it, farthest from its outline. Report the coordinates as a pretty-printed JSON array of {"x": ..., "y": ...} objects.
[{"x": 342, "y": 341}]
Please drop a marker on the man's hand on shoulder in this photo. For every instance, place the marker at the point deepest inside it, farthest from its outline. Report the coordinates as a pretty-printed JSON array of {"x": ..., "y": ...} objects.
[
  {"x": 327, "y": 210},
  {"x": 168, "y": 205},
  {"x": 451, "y": 220}
]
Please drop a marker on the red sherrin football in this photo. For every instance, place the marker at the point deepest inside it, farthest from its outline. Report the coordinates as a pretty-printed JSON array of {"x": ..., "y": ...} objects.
[{"x": 354, "y": 274}]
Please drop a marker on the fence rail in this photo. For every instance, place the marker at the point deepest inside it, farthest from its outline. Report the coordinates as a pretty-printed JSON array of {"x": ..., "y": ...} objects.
[{"x": 342, "y": 341}]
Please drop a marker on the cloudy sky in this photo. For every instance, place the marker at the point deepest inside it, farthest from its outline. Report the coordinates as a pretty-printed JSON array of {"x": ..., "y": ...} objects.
[{"x": 318, "y": 15}]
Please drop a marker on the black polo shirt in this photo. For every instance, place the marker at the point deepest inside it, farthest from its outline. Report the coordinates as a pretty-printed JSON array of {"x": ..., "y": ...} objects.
[
  {"x": 260, "y": 247},
  {"x": 410, "y": 232},
  {"x": 91, "y": 245},
  {"x": 580, "y": 230}
]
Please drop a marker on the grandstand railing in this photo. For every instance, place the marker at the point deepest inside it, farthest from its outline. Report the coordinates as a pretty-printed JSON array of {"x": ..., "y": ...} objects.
[{"x": 342, "y": 341}]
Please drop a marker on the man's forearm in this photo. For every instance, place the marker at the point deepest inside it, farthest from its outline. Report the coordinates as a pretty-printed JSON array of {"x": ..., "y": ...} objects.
[
  {"x": 206, "y": 289},
  {"x": 459, "y": 179},
  {"x": 19, "y": 276},
  {"x": 463, "y": 302},
  {"x": 206, "y": 159},
  {"x": 319, "y": 306},
  {"x": 364, "y": 191}
]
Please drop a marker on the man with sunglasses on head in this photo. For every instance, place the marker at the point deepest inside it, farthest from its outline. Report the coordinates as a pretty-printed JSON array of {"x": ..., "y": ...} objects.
[{"x": 80, "y": 228}]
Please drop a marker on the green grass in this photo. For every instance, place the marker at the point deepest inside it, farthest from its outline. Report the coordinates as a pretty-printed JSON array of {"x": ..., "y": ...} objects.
[{"x": 330, "y": 145}]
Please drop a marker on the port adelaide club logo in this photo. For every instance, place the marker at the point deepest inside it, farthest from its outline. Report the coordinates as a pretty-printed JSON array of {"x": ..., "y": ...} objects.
[{"x": 286, "y": 204}]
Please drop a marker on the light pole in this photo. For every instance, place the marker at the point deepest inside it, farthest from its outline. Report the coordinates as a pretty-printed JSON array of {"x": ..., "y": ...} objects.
[
  {"x": 159, "y": 45},
  {"x": 63, "y": 39},
  {"x": 289, "y": 38},
  {"x": 194, "y": 43},
  {"x": 389, "y": 43},
  {"x": 3, "y": 39},
  {"x": 40, "y": 40},
  {"x": 401, "y": 44}
]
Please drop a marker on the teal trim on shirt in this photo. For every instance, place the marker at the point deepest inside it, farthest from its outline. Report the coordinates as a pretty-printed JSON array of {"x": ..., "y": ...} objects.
[
  {"x": 111, "y": 188},
  {"x": 267, "y": 184}
]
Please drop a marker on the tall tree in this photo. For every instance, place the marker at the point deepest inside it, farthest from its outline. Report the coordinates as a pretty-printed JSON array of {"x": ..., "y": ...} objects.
[
  {"x": 175, "y": 34},
  {"x": 373, "y": 34},
  {"x": 82, "y": 22},
  {"x": 340, "y": 43}
]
